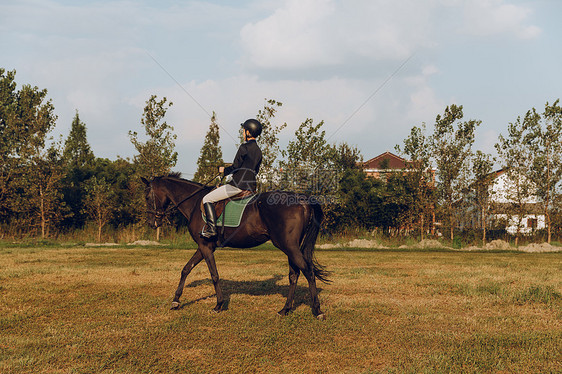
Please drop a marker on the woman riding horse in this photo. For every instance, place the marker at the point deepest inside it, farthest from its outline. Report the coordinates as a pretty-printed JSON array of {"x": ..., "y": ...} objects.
[
  {"x": 244, "y": 169},
  {"x": 291, "y": 221}
]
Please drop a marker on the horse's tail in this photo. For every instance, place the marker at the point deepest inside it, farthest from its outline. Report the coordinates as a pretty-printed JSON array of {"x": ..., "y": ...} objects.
[{"x": 309, "y": 240}]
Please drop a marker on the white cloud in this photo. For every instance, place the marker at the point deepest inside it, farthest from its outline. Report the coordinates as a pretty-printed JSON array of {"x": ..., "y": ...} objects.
[
  {"x": 494, "y": 17},
  {"x": 309, "y": 34},
  {"x": 424, "y": 105},
  {"x": 429, "y": 70},
  {"x": 292, "y": 37},
  {"x": 303, "y": 34}
]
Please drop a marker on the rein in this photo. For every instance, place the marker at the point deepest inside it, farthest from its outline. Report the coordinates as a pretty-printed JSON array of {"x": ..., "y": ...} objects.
[{"x": 160, "y": 214}]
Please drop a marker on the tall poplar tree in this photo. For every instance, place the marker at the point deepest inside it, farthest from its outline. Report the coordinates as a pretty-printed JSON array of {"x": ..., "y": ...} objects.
[
  {"x": 210, "y": 157},
  {"x": 544, "y": 136},
  {"x": 515, "y": 156},
  {"x": 419, "y": 177},
  {"x": 269, "y": 141},
  {"x": 482, "y": 192},
  {"x": 452, "y": 148},
  {"x": 156, "y": 156}
]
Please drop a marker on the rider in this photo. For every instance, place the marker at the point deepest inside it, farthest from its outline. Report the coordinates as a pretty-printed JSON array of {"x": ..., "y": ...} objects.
[{"x": 244, "y": 169}]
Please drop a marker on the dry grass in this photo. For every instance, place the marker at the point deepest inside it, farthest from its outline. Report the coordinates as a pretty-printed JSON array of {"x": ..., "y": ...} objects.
[{"x": 91, "y": 310}]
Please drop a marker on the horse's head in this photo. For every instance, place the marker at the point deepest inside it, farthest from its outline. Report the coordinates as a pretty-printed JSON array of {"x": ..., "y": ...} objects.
[{"x": 157, "y": 202}]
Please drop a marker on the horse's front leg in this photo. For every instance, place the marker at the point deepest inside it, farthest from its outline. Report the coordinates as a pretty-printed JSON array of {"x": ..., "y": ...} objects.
[
  {"x": 193, "y": 261},
  {"x": 210, "y": 260}
]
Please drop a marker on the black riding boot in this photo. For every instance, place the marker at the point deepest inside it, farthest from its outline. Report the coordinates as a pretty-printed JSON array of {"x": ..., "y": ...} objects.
[{"x": 210, "y": 229}]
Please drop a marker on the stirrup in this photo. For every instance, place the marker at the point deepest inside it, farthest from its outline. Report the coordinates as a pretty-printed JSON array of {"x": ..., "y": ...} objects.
[{"x": 208, "y": 234}]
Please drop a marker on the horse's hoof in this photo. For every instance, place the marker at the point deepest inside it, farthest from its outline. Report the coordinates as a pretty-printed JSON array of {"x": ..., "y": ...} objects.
[
  {"x": 175, "y": 305},
  {"x": 321, "y": 317},
  {"x": 283, "y": 312}
]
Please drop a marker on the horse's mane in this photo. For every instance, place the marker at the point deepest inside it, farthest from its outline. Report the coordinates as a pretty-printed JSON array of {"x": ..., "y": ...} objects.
[
  {"x": 174, "y": 174},
  {"x": 177, "y": 176}
]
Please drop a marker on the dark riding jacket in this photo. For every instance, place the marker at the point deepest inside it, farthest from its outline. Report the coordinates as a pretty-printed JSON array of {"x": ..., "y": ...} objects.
[{"x": 246, "y": 166}]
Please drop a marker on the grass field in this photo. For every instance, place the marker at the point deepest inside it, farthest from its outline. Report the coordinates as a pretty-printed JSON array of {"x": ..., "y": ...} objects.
[{"x": 92, "y": 310}]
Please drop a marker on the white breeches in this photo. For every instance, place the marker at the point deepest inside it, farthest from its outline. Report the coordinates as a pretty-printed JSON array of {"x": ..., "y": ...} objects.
[{"x": 221, "y": 193}]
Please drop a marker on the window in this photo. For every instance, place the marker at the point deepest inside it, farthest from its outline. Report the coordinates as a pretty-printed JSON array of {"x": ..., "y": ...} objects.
[{"x": 532, "y": 223}]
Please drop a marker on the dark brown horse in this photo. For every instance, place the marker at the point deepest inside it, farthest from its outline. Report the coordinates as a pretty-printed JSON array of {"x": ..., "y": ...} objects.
[{"x": 288, "y": 219}]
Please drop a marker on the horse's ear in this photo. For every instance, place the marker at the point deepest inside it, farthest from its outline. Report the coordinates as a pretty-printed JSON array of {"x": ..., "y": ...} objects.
[{"x": 145, "y": 181}]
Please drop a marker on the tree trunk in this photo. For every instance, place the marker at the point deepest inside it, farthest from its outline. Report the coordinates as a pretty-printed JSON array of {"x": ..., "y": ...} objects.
[
  {"x": 100, "y": 224},
  {"x": 483, "y": 218},
  {"x": 421, "y": 226},
  {"x": 42, "y": 208},
  {"x": 451, "y": 221},
  {"x": 432, "y": 220},
  {"x": 547, "y": 216}
]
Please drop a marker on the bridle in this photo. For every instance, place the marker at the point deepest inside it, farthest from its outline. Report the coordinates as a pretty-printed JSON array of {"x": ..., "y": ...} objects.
[{"x": 161, "y": 213}]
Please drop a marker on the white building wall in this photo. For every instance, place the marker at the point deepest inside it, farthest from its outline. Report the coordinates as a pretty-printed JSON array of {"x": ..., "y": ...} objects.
[
  {"x": 525, "y": 229},
  {"x": 501, "y": 187},
  {"x": 500, "y": 194}
]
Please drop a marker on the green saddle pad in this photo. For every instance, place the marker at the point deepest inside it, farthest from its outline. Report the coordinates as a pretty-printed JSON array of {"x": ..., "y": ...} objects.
[{"x": 233, "y": 211}]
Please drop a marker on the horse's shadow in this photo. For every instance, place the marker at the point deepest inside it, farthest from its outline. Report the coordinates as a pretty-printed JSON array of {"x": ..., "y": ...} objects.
[{"x": 253, "y": 288}]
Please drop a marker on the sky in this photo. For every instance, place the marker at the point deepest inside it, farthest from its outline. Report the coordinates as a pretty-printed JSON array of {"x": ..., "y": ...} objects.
[{"x": 370, "y": 69}]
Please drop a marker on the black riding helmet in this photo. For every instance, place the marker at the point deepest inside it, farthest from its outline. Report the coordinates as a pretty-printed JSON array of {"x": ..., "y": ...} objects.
[{"x": 253, "y": 126}]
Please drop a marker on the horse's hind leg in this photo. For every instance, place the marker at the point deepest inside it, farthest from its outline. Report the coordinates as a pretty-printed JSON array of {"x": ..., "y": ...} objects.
[
  {"x": 193, "y": 261},
  {"x": 307, "y": 270},
  {"x": 309, "y": 274},
  {"x": 294, "y": 273}
]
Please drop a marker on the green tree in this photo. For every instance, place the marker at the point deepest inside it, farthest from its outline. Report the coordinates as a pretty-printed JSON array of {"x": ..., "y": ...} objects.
[
  {"x": 399, "y": 203},
  {"x": 482, "y": 192},
  {"x": 79, "y": 160},
  {"x": 359, "y": 203},
  {"x": 269, "y": 142},
  {"x": 544, "y": 136},
  {"x": 335, "y": 185},
  {"x": 26, "y": 117},
  {"x": 452, "y": 148},
  {"x": 346, "y": 157},
  {"x": 99, "y": 202},
  {"x": 333, "y": 174},
  {"x": 419, "y": 178},
  {"x": 40, "y": 189},
  {"x": 156, "y": 156},
  {"x": 210, "y": 157},
  {"x": 515, "y": 155},
  {"x": 77, "y": 152},
  {"x": 121, "y": 175},
  {"x": 307, "y": 158}
]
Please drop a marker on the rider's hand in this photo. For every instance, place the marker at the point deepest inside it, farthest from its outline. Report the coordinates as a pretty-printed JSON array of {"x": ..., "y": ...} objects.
[{"x": 221, "y": 169}]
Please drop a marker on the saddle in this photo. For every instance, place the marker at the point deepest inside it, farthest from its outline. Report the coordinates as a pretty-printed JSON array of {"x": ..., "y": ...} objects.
[{"x": 220, "y": 205}]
